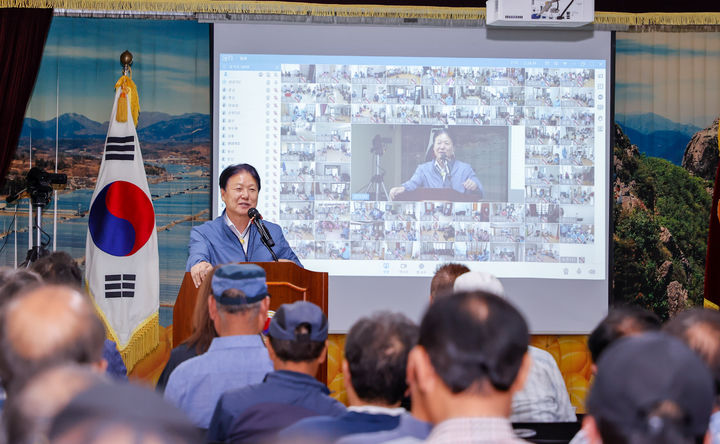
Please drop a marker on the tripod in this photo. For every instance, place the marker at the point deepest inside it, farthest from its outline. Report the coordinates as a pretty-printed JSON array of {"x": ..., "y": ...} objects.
[{"x": 377, "y": 182}]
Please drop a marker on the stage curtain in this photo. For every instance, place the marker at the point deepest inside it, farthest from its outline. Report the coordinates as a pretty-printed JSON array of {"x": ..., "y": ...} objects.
[{"x": 22, "y": 39}]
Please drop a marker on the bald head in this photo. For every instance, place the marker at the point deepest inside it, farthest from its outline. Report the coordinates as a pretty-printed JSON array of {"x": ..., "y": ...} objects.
[{"x": 47, "y": 326}]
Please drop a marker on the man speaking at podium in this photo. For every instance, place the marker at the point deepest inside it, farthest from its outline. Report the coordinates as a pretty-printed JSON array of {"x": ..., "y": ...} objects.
[
  {"x": 235, "y": 236},
  {"x": 442, "y": 170}
]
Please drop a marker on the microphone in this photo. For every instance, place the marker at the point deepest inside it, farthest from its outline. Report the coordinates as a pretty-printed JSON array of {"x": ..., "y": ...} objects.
[{"x": 265, "y": 237}]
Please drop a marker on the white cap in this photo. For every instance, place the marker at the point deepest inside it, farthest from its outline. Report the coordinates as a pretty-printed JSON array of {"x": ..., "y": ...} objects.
[{"x": 479, "y": 281}]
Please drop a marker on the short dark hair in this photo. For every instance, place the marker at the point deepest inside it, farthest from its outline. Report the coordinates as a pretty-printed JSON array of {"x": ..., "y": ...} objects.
[
  {"x": 699, "y": 328},
  {"x": 444, "y": 278},
  {"x": 621, "y": 321},
  {"x": 376, "y": 350},
  {"x": 472, "y": 337},
  {"x": 59, "y": 268},
  {"x": 234, "y": 293},
  {"x": 297, "y": 351},
  {"x": 235, "y": 169}
]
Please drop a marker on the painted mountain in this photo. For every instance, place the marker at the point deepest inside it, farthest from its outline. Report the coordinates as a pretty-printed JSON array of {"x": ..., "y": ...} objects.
[
  {"x": 657, "y": 136},
  {"x": 152, "y": 127}
]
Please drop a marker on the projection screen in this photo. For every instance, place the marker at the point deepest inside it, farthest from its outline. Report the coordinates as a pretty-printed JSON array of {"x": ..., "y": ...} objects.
[{"x": 385, "y": 151}]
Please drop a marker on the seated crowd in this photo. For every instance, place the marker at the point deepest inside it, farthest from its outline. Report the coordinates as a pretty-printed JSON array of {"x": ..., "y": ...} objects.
[{"x": 466, "y": 374}]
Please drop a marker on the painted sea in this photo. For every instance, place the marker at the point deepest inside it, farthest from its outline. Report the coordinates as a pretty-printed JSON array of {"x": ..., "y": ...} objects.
[{"x": 188, "y": 193}]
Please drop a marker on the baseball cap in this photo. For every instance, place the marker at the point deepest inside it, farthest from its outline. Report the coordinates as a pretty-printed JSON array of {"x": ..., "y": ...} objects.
[
  {"x": 638, "y": 373},
  {"x": 289, "y": 316},
  {"x": 479, "y": 281},
  {"x": 248, "y": 278}
]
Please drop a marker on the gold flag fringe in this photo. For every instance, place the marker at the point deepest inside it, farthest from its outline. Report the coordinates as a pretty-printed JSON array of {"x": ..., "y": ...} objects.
[
  {"x": 129, "y": 90},
  {"x": 143, "y": 340},
  {"x": 710, "y": 305},
  {"x": 337, "y": 10}
]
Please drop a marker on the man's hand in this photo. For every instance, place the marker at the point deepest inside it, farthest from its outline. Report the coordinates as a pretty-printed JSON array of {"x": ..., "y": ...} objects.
[
  {"x": 199, "y": 271},
  {"x": 470, "y": 185},
  {"x": 394, "y": 191}
]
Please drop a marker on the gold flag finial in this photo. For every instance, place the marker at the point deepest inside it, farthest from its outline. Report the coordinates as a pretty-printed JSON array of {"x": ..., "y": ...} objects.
[{"x": 129, "y": 90}]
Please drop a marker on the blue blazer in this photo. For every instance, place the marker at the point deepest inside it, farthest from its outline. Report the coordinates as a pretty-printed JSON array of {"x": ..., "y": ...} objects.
[{"x": 214, "y": 242}]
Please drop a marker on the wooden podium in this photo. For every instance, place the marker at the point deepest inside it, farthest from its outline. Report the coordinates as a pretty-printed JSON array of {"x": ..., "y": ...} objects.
[{"x": 286, "y": 283}]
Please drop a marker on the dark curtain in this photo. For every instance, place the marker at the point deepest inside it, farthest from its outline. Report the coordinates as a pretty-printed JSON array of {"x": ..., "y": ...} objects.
[{"x": 22, "y": 39}]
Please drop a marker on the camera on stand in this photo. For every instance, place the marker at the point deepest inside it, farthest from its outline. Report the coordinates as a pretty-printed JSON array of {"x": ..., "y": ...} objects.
[{"x": 39, "y": 186}]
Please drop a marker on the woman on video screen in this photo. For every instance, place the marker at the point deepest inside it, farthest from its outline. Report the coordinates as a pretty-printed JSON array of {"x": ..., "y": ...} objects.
[{"x": 442, "y": 170}]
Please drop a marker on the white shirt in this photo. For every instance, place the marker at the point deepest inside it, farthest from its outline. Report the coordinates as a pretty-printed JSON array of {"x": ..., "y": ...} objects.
[
  {"x": 544, "y": 397},
  {"x": 242, "y": 237}
]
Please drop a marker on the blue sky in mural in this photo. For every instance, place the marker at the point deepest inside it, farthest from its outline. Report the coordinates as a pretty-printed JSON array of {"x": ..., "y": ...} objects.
[
  {"x": 666, "y": 88},
  {"x": 171, "y": 66}
]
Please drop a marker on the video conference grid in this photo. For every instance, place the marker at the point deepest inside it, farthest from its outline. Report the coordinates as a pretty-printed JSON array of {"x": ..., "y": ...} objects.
[{"x": 320, "y": 103}]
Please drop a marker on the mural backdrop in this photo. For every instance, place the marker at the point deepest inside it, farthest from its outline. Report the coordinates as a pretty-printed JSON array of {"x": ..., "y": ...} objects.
[{"x": 667, "y": 99}]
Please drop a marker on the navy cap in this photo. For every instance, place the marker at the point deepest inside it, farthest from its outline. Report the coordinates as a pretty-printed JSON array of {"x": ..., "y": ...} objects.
[
  {"x": 248, "y": 278},
  {"x": 636, "y": 374},
  {"x": 289, "y": 316}
]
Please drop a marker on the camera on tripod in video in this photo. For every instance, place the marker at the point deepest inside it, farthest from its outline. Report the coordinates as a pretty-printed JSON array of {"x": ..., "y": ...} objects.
[{"x": 39, "y": 186}]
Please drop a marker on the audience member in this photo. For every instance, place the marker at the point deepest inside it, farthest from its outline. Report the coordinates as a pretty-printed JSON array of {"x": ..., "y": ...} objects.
[
  {"x": 699, "y": 329},
  {"x": 47, "y": 326},
  {"x": 470, "y": 360},
  {"x": 297, "y": 345},
  {"x": 203, "y": 332},
  {"x": 29, "y": 414},
  {"x": 14, "y": 282},
  {"x": 374, "y": 369},
  {"x": 444, "y": 278},
  {"x": 238, "y": 306},
  {"x": 59, "y": 268},
  {"x": 649, "y": 388},
  {"x": 544, "y": 398},
  {"x": 121, "y": 414},
  {"x": 620, "y": 322}
]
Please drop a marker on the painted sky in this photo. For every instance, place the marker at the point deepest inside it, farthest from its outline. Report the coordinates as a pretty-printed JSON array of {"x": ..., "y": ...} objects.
[
  {"x": 675, "y": 75},
  {"x": 170, "y": 66}
]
